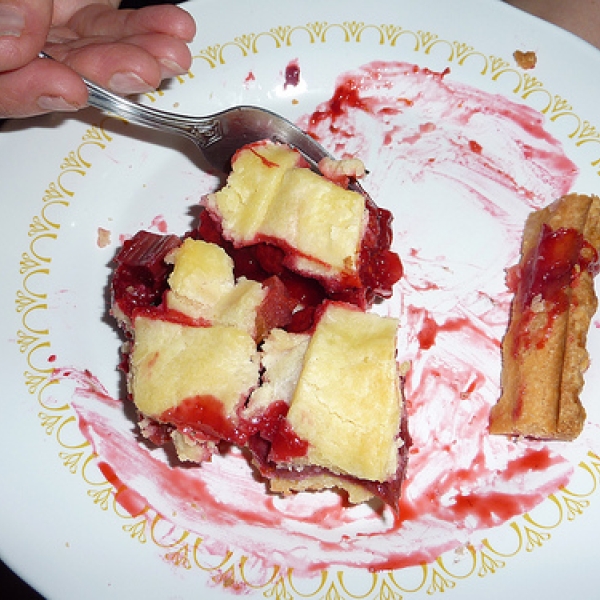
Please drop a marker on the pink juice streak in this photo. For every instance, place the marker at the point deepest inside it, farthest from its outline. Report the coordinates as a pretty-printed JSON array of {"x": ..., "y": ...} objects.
[
  {"x": 460, "y": 169},
  {"x": 160, "y": 224}
]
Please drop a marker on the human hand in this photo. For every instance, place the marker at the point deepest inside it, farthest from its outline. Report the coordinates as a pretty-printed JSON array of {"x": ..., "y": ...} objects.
[{"x": 127, "y": 51}]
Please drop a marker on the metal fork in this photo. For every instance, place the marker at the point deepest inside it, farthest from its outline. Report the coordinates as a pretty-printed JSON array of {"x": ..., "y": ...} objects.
[{"x": 217, "y": 136}]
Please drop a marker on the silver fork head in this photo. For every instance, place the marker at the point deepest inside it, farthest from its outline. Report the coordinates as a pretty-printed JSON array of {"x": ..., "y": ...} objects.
[{"x": 242, "y": 125}]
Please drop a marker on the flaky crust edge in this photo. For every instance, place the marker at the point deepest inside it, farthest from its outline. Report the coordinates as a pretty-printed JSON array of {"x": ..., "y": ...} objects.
[{"x": 546, "y": 383}]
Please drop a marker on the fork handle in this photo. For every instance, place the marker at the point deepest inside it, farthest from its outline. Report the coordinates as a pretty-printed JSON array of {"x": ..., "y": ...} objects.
[{"x": 202, "y": 130}]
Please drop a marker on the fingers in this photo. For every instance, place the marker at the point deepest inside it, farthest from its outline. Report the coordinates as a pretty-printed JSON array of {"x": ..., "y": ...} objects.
[
  {"x": 24, "y": 25},
  {"x": 122, "y": 67},
  {"x": 27, "y": 85},
  {"x": 133, "y": 65},
  {"x": 168, "y": 19},
  {"x": 173, "y": 56},
  {"x": 100, "y": 20},
  {"x": 39, "y": 87},
  {"x": 128, "y": 51}
]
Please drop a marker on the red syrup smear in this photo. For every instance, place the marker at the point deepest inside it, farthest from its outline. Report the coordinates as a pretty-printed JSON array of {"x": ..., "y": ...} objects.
[
  {"x": 160, "y": 224},
  {"x": 205, "y": 415},
  {"x": 457, "y": 472},
  {"x": 416, "y": 132},
  {"x": 128, "y": 498},
  {"x": 552, "y": 268},
  {"x": 225, "y": 504},
  {"x": 266, "y": 162},
  {"x": 427, "y": 334}
]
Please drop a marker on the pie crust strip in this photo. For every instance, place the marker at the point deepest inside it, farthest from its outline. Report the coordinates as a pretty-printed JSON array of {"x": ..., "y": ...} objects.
[{"x": 544, "y": 351}]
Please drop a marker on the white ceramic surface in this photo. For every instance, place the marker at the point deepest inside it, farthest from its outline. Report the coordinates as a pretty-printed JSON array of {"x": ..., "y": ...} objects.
[{"x": 61, "y": 179}]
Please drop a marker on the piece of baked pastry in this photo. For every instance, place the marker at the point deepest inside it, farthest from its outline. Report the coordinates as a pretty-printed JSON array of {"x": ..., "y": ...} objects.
[
  {"x": 544, "y": 351},
  {"x": 278, "y": 217},
  {"x": 339, "y": 420},
  {"x": 318, "y": 409},
  {"x": 215, "y": 356}
]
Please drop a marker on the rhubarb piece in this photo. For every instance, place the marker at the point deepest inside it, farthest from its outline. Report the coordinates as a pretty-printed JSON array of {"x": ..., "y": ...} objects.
[
  {"x": 544, "y": 350},
  {"x": 140, "y": 277}
]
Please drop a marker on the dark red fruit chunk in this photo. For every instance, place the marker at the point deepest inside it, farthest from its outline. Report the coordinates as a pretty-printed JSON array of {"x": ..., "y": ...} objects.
[
  {"x": 274, "y": 436},
  {"x": 275, "y": 310},
  {"x": 140, "y": 278}
]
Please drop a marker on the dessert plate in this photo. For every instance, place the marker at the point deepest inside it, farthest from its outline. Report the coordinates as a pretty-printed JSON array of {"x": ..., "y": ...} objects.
[{"x": 461, "y": 143}]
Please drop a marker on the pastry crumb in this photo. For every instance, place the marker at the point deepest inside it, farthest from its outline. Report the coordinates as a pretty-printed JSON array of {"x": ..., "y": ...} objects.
[
  {"x": 103, "y": 239},
  {"x": 526, "y": 60}
]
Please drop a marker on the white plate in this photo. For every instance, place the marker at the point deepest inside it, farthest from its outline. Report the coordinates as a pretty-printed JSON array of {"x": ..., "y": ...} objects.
[{"x": 62, "y": 525}]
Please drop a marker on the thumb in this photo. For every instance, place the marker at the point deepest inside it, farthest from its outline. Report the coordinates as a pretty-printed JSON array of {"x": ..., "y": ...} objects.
[{"x": 24, "y": 26}]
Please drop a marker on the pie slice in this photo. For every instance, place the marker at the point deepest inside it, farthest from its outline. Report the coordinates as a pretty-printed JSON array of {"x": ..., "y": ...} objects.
[
  {"x": 192, "y": 379},
  {"x": 287, "y": 220},
  {"x": 193, "y": 360},
  {"x": 214, "y": 355},
  {"x": 317, "y": 410},
  {"x": 330, "y": 412},
  {"x": 544, "y": 351}
]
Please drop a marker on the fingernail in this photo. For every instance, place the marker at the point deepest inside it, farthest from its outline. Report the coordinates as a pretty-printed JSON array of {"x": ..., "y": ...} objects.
[
  {"x": 12, "y": 21},
  {"x": 169, "y": 68},
  {"x": 128, "y": 83},
  {"x": 58, "y": 103}
]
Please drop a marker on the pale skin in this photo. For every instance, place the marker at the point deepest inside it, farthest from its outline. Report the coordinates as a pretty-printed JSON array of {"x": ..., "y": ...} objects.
[
  {"x": 128, "y": 51},
  {"x": 581, "y": 17},
  {"x": 133, "y": 51}
]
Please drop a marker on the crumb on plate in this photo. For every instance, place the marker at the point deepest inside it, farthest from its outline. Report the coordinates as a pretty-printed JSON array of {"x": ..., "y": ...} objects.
[
  {"x": 103, "y": 239},
  {"x": 525, "y": 60}
]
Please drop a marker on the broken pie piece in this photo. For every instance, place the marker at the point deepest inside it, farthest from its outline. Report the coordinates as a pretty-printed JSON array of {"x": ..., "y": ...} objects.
[
  {"x": 340, "y": 404},
  {"x": 289, "y": 220},
  {"x": 215, "y": 351},
  {"x": 265, "y": 194},
  {"x": 193, "y": 360},
  {"x": 544, "y": 350},
  {"x": 317, "y": 410},
  {"x": 194, "y": 379}
]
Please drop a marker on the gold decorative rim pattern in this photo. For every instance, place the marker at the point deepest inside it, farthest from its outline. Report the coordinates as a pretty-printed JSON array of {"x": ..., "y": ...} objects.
[{"x": 184, "y": 549}]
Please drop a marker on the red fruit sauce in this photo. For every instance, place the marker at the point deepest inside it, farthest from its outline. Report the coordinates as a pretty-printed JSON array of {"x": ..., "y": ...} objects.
[
  {"x": 548, "y": 274},
  {"x": 479, "y": 156}
]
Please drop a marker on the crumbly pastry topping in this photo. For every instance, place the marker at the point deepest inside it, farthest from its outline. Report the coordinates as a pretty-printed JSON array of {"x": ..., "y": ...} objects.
[
  {"x": 272, "y": 360},
  {"x": 266, "y": 193},
  {"x": 347, "y": 401}
]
